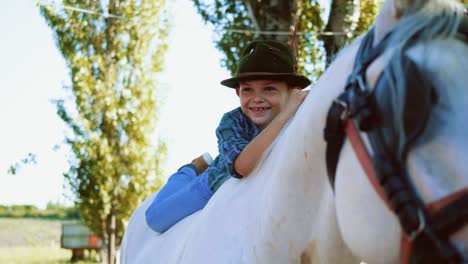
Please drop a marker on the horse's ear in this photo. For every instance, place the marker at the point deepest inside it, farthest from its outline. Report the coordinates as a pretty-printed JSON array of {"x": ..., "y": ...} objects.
[
  {"x": 399, "y": 7},
  {"x": 388, "y": 16}
]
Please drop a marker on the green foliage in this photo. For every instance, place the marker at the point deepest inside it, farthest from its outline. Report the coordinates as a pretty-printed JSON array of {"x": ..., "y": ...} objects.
[
  {"x": 236, "y": 23},
  {"x": 367, "y": 7},
  {"x": 52, "y": 211},
  {"x": 112, "y": 105},
  {"x": 29, "y": 159}
]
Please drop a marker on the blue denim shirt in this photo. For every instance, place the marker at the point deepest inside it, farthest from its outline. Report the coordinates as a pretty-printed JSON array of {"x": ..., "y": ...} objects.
[{"x": 234, "y": 133}]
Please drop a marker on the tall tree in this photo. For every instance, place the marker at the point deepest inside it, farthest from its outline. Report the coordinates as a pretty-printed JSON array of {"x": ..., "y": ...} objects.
[
  {"x": 113, "y": 50},
  {"x": 239, "y": 22}
]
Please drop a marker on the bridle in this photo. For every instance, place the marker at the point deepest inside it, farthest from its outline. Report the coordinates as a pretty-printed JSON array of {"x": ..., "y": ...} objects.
[{"x": 426, "y": 228}]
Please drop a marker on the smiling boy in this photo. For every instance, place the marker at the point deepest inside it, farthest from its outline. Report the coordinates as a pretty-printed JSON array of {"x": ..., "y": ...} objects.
[{"x": 270, "y": 92}]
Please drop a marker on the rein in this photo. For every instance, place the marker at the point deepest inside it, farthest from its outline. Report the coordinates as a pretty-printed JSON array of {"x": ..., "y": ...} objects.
[{"x": 426, "y": 229}]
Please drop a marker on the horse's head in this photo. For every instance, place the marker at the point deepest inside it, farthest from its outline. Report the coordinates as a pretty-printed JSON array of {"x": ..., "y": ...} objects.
[{"x": 408, "y": 93}]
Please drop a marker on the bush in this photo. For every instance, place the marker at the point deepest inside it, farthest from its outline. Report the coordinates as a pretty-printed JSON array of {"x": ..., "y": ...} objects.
[{"x": 52, "y": 211}]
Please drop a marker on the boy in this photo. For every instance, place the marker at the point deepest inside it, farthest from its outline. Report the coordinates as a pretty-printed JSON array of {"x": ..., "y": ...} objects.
[{"x": 270, "y": 93}]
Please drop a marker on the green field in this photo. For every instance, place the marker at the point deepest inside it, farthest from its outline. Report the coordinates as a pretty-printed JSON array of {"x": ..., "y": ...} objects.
[{"x": 32, "y": 241}]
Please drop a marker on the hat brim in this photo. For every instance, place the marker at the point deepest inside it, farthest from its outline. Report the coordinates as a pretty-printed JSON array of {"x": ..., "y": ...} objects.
[{"x": 290, "y": 78}]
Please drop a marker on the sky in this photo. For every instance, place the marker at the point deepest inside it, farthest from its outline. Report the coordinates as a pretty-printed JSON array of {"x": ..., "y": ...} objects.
[{"x": 33, "y": 72}]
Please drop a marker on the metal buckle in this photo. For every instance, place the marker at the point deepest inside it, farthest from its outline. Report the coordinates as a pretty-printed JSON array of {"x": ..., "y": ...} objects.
[
  {"x": 422, "y": 225},
  {"x": 345, "y": 113},
  {"x": 361, "y": 83}
]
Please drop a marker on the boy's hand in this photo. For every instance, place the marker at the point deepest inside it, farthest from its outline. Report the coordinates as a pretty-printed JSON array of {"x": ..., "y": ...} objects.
[{"x": 296, "y": 97}]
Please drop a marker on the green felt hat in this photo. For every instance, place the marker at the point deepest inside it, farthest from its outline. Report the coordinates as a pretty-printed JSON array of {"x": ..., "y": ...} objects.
[{"x": 269, "y": 60}]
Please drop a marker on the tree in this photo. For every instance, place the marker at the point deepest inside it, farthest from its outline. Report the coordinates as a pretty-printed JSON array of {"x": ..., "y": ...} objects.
[
  {"x": 29, "y": 159},
  {"x": 239, "y": 22},
  {"x": 113, "y": 51}
]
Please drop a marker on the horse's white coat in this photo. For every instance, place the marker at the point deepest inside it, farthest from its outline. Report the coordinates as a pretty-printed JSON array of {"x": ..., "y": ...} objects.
[{"x": 273, "y": 215}]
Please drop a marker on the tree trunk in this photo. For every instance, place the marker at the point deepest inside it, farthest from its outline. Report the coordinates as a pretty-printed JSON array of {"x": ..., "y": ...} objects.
[
  {"x": 111, "y": 242},
  {"x": 278, "y": 15},
  {"x": 336, "y": 23}
]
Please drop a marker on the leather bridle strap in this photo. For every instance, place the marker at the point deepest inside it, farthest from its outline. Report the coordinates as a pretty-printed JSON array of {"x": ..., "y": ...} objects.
[
  {"x": 363, "y": 156},
  {"x": 346, "y": 103},
  {"x": 446, "y": 216}
]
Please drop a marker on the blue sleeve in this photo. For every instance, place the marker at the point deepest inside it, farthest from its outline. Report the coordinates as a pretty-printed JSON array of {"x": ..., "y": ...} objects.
[{"x": 233, "y": 137}]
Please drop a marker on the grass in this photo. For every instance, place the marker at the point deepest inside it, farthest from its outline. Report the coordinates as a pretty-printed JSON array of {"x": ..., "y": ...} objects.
[
  {"x": 30, "y": 255},
  {"x": 31, "y": 241}
]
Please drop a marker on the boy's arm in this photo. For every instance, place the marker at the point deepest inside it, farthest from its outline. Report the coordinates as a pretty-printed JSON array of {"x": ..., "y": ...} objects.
[{"x": 251, "y": 154}]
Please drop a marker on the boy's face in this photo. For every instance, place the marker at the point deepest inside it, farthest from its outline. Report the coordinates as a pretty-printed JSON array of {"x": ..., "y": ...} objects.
[{"x": 262, "y": 100}]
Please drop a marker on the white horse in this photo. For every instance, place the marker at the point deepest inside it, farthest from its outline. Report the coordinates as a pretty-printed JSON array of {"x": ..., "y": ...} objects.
[{"x": 286, "y": 211}]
